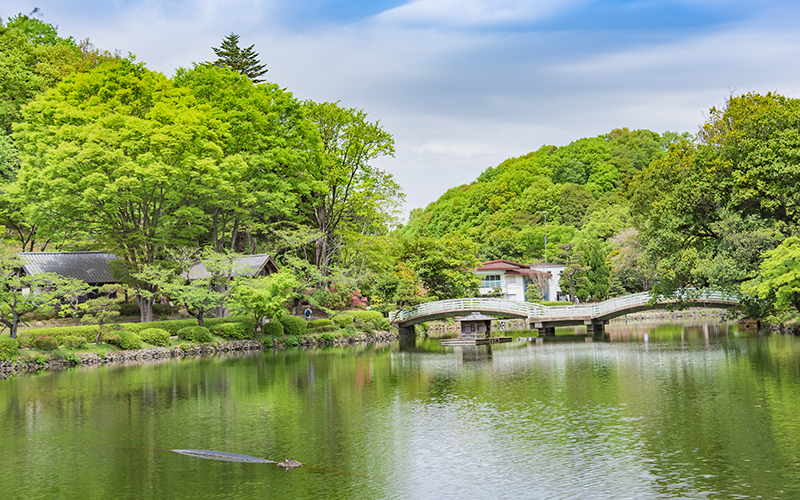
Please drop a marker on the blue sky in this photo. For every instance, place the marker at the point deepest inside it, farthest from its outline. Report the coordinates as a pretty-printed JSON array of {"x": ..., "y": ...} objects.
[{"x": 464, "y": 84}]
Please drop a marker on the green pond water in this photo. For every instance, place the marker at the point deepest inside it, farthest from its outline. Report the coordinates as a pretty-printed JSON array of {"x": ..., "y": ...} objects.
[{"x": 691, "y": 410}]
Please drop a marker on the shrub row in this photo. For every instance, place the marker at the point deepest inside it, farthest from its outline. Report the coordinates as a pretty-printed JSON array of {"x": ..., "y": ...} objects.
[
  {"x": 235, "y": 331},
  {"x": 318, "y": 322}
]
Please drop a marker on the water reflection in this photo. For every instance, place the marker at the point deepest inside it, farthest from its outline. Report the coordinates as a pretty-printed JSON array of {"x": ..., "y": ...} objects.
[{"x": 663, "y": 410}]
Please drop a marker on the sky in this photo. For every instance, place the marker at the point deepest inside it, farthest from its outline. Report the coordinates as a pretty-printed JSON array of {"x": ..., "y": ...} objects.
[{"x": 464, "y": 84}]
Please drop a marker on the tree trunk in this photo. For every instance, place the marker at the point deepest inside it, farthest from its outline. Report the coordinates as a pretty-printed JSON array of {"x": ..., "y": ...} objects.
[{"x": 145, "y": 309}]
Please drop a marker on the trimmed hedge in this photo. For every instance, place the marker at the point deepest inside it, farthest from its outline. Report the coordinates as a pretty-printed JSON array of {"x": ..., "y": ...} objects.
[
  {"x": 344, "y": 320},
  {"x": 273, "y": 329},
  {"x": 155, "y": 336},
  {"x": 323, "y": 328},
  {"x": 374, "y": 317},
  {"x": 8, "y": 347},
  {"x": 73, "y": 342},
  {"x": 197, "y": 334},
  {"x": 294, "y": 325},
  {"x": 26, "y": 337},
  {"x": 45, "y": 343},
  {"x": 235, "y": 331},
  {"x": 129, "y": 341},
  {"x": 318, "y": 322}
]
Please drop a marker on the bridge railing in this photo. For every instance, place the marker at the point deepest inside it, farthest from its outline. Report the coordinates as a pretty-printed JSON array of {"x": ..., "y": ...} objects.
[
  {"x": 540, "y": 311},
  {"x": 470, "y": 304}
]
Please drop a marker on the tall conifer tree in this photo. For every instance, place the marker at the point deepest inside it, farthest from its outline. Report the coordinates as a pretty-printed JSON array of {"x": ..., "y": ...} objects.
[{"x": 244, "y": 61}]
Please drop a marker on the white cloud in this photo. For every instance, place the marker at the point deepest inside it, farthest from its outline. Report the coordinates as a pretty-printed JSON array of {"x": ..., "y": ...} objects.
[{"x": 473, "y": 12}]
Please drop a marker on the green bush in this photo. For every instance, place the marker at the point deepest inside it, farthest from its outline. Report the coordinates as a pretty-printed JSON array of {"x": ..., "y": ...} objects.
[
  {"x": 26, "y": 337},
  {"x": 9, "y": 348},
  {"x": 373, "y": 318},
  {"x": 197, "y": 334},
  {"x": 344, "y": 320},
  {"x": 236, "y": 331},
  {"x": 111, "y": 337},
  {"x": 294, "y": 325},
  {"x": 45, "y": 343},
  {"x": 292, "y": 341},
  {"x": 273, "y": 328},
  {"x": 318, "y": 322},
  {"x": 129, "y": 341},
  {"x": 155, "y": 336},
  {"x": 73, "y": 342},
  {"x": 323, "y": 328},
  {"x": 327, "y": 336},
  {"x": 267, "y": 341}
]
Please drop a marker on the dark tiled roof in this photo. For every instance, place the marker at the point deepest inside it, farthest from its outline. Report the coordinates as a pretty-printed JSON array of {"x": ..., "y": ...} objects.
[
  {"x": 248, "y": 265},
  {"x": 91, "y": 267}
]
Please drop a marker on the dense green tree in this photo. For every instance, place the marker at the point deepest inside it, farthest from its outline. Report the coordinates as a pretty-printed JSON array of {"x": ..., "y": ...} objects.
[
  {"x": 346, "y": 187},
  {"x": 444, "y": 266},
  {"x": 263, "y": 298},
  {"x": 126, "y": 154},
  {"x": 99, "y": 310},
  {"x": 598, "y": 272},
  {"x": 780, "y": 275},
  {"x": 241, "y": 60}
]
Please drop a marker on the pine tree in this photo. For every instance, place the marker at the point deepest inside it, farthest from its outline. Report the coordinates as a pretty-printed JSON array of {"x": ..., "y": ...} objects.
[{"x": 244, "y": 61}]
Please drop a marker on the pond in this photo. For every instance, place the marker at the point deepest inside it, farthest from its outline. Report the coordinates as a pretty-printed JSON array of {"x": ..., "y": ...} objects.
[{"x": 689, "y": 410}]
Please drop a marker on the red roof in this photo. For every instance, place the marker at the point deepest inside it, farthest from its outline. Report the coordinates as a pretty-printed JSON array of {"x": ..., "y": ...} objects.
[{"x": 513, "y": 268}]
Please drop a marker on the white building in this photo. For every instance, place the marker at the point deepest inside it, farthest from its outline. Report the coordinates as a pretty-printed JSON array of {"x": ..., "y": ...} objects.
[
  {"x": 553, "y": 292},
  {"x": 511, "y": 279}
]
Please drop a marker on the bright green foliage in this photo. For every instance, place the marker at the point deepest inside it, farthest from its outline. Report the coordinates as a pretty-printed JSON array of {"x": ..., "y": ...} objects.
[
  {"x": 343, "y": 320},
  {"x": 73, "y": 342},
  {"x": 270, "y": 143},
  {"x": 234, "y": 331},
  {"x": 263, "y": 297},
  {"x": 375, "y": 319},
  {"x": 319, "y": 322},
  {"x": 502, "y": 211},
  {"x": 242, "y": 60},
  {"x": 33, "y": 58},
  {"x": 89, "y": 333},
  {"x": 100, "y": 310},
  {"x": 124, "y": 152},
  {"x": 128, "y": 341},
  {"x": 16, "y": 302},
  {"x": 443, "y": 265},
  {"x": 200, "y": 296},
  {"x": 273, "y": 328},
  {"x": 294, "y": 325},
  {"x": 198, "y": 334},
  {"x": 780, "y": 275},
  {"x": 155, "y": 336},
  {"x": 9, "y": 348},
  {"x": 348, "y": 193},
  {"x": 45, "y": 343}
]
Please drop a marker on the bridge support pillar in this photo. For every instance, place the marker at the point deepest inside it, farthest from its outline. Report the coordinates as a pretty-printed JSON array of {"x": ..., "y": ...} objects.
[
  {"x": 597, "y": 330},
  {"x": 547, "y": 331},
  {"x": 406, "y": 331}
]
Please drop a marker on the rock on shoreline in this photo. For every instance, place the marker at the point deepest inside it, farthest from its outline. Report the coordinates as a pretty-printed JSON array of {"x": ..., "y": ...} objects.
[{"x": 11, "y": 368}]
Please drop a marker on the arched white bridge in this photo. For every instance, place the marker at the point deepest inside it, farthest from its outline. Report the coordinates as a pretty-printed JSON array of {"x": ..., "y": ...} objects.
[{"x": 547, "y": 318}]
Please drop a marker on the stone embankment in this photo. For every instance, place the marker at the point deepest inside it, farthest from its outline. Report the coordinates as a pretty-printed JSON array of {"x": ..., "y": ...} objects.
[{"x": 10, "y": 368}]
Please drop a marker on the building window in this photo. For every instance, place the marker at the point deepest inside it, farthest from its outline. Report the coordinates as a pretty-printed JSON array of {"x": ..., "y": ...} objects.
[{"x": 491, "y": 281}]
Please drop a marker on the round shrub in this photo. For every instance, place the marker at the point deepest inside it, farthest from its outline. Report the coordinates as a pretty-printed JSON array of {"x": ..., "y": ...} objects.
[
  {"x": 155, "y": 336},
  {"x": 8, "y": 347},
  {"x": 236, "y": 331},
  {"x": 343, "y": 320},
  {"x": 294, "y": 325},
  {"x": 197, "y": 334},
  {"x": 319, "y": 322},
  {"x": 73, "y": 342},
  {"x": 111, "y": 337},
  {"x": 45, "y": 343},
  {"x": 129, "y": 341},
  {"x": 273, "y": 328}
]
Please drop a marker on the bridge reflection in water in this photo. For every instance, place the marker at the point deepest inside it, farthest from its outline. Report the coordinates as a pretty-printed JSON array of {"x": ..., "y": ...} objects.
[{"x": 546, "y": 319}]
